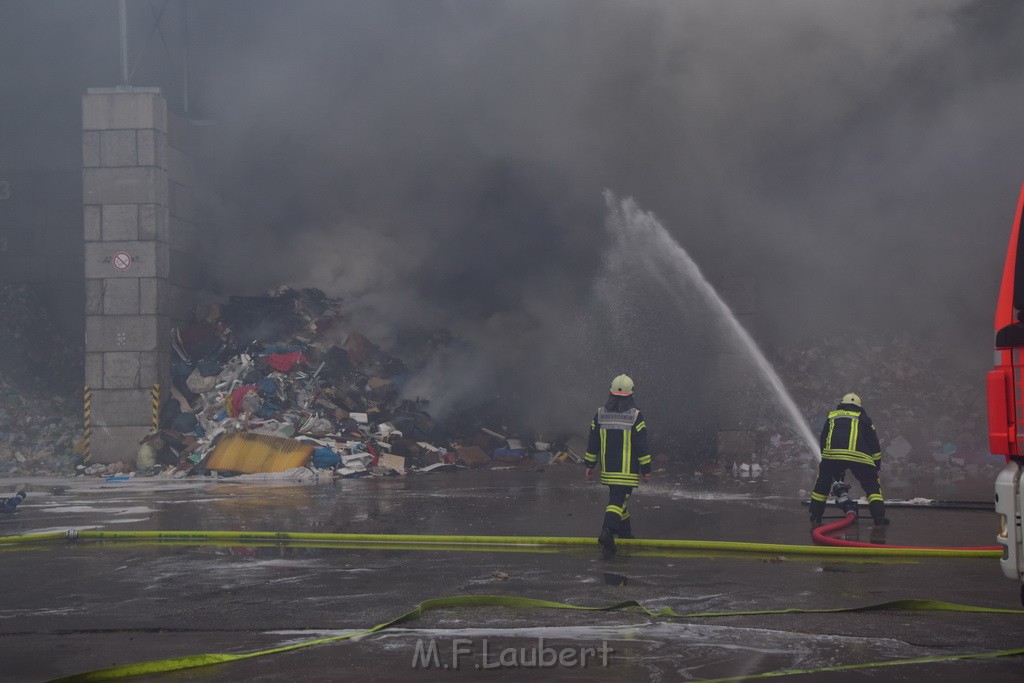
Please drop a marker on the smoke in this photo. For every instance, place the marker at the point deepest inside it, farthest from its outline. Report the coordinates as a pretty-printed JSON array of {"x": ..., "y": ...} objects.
[{"x": 440, "y": 164}]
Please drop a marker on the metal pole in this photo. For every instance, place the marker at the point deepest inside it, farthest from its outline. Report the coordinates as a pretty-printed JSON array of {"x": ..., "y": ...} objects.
[{"x": 123, "y": 12}]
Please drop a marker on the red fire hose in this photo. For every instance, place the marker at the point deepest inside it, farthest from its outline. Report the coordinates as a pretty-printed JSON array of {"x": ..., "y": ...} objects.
[{"x": 820, "y": 537}]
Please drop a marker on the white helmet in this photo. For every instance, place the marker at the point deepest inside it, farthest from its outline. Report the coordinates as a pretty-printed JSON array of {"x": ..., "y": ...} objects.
[
  {"x": 851, "y": 398},
  {"x": 622, "y": 385}
]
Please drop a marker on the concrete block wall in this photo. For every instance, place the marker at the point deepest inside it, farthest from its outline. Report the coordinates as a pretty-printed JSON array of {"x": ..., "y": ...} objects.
[
  {"x": 126, "y": 218},
  {"x": 140, "y": 222},
  {"x": 147, "y": 185}
]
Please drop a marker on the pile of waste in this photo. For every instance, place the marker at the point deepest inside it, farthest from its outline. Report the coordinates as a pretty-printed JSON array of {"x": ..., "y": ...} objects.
[
  {"x": 38, "y": 435},
  {"x": 929, "y": 410},
  {"x": 277, "y": 386},
  {"x": 40, "y": 425},
  {"x": 283, "y": 386}
]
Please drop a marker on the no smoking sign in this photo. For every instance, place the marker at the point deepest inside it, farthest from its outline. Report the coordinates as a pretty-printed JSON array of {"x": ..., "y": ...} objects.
[{"x": 122, "y": 260}]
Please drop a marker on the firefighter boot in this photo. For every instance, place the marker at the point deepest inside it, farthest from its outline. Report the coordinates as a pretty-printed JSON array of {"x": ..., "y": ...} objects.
[
  {"x": 625, "y": 529},
  {"x": 607, "y": 540},
  {"x": 815, "y": 521},
  {"x": 877, "y": 508}
]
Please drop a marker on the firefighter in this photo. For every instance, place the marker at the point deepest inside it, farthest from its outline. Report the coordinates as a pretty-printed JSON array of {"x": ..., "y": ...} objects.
[
  {"x": 848, "y": 441},
  {"x": 618, "y": 436}
]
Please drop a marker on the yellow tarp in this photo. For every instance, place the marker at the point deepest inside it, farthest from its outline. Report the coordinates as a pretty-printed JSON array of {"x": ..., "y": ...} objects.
[{"x": 252, "y": 453}]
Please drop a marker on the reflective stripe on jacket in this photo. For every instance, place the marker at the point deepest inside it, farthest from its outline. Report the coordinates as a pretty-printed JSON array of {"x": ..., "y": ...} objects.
[
  {"x": 850, "y": 435},
  {"x": 620, "y": 441}
]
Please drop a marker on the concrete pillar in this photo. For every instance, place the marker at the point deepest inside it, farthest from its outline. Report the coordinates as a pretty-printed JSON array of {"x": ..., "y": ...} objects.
[{"x": 127, "y": 264}]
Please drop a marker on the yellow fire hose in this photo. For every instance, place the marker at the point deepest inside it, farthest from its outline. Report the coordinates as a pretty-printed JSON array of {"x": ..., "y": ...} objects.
[
  {"x": 192, "y": 661},
  {"x": 452, "y": 548},
  {"x": 484, "y": 542},
  {"x": 515, "y": 544}
]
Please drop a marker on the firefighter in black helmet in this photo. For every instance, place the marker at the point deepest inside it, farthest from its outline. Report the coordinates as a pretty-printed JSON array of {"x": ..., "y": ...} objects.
[
  {"x": 618, "y": 437},
  {"x": 848, "y": 441}
]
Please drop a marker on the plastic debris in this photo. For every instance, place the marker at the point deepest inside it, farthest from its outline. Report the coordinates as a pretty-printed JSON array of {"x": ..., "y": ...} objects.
[{"x": 283, "y": 368}]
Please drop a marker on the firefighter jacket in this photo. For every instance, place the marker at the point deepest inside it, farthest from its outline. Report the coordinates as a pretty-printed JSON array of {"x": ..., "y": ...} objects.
[
  {"x": 620, "y": 441},
  {"x": 850, "y": 435}
]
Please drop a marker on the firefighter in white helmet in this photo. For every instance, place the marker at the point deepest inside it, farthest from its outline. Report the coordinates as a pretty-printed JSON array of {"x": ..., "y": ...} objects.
[
  {"x": 848, "y": 441},
  {"x": 618, "y": 438}
]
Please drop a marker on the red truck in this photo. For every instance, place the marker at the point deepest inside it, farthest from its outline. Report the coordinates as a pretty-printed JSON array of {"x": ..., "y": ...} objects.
[{"x": 1006, "y": 404}]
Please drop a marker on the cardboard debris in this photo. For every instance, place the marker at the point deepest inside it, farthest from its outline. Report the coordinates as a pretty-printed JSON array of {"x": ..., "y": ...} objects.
[
  {"x": 472, "y": 456},
  {"x": 393, "y": 462},
  {"x": 358, "y": 462},
  {"x": 386, "y": 429}
]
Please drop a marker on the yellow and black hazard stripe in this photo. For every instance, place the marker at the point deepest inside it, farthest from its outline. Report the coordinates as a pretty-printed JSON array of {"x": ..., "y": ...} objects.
[
  {"x": 87, "y": 424},
  {"x": 155, "y": 399}
]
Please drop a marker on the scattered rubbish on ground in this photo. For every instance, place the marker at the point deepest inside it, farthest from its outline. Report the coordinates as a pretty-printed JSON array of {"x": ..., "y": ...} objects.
[
  {"x": 268, "y": 384},
  {"x": 289, "y": 366},
  {"x": 40, "y": 389}
]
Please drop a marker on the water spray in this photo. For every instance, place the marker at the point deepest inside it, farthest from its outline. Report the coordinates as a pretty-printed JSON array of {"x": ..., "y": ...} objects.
[{"x": 672, "y": 267}]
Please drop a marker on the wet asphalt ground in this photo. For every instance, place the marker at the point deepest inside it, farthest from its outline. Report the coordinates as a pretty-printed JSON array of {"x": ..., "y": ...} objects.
[{"x": 70, "y": 607}]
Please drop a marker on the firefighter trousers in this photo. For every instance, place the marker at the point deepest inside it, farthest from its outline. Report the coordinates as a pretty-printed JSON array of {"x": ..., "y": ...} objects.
[
  {"x": 830, "y": 471},
  {"x": 616, "y": 515}
]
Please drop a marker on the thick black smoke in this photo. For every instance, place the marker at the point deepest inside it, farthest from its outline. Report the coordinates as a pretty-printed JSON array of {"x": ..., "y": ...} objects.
[{"x": 442, "y": 163}]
